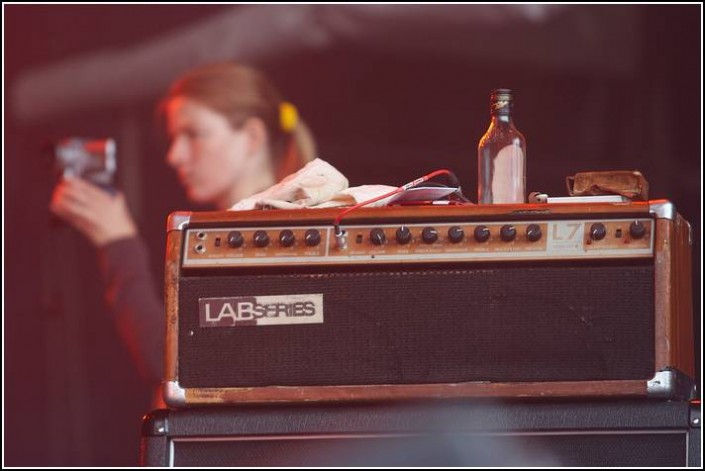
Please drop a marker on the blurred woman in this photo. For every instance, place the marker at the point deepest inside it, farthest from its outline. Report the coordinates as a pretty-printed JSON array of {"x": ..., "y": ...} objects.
[{"x": 232, "y": 135}]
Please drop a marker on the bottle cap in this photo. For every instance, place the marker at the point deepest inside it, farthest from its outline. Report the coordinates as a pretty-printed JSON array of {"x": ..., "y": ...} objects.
[{"x": 501, "y": 100}]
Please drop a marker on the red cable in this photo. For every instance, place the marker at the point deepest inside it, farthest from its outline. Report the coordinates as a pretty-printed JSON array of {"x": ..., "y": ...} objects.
[{"x": 336, "y": 222}]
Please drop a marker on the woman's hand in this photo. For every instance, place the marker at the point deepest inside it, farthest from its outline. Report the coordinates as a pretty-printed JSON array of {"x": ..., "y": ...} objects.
[{"x": 100, "y": 216}]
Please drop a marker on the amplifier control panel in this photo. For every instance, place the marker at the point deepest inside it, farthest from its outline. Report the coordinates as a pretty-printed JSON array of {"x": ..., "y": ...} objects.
[{"x": 419, "y": 242}]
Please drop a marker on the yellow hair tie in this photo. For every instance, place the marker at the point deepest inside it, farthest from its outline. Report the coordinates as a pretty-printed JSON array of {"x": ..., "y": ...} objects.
[{"x": 288, "y": 116}]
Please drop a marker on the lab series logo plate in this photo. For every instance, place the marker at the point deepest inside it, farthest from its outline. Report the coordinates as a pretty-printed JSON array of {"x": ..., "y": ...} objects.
[{"x": 252, "y": 311}]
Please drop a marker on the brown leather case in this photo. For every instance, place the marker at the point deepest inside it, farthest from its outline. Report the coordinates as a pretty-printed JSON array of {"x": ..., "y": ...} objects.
[{"x": 630, "y": 184}]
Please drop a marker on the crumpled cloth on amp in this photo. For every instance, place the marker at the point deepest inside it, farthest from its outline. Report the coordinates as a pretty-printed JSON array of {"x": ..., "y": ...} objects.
[{"x": 316, "y": 185}]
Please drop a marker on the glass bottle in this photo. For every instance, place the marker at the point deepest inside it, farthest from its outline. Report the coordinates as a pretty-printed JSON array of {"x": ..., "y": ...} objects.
[{"x": 501, "y": 155}]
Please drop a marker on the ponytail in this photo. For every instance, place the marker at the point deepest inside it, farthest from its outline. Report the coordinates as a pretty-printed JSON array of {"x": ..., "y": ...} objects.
[{"x": 300, "y": 148}]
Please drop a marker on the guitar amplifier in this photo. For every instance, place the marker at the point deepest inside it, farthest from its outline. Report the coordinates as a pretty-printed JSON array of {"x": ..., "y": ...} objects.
[
  {"x": 423, "y": 434},
  {"x": 536, "y": 300}
]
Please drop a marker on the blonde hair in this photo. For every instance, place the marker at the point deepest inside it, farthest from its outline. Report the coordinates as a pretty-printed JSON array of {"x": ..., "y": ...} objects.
[{"x": 239, "y": 92}]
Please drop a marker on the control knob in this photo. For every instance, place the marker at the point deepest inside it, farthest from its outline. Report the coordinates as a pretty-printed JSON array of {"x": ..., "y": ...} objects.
[
  {"x": 403, "y": 235},
  {"x": 429, "y": 235},
  {"x": 598, "y": 231},
  {"x": 312, "y": 237},
  {"x": 456, "y": 234},
  {"x": 508, "y": 233},
  {"x": 377, "y": 236},
  {"x": 637, "y": 230},
  {"x": 235, "y": 239},
  {"x": 482, "y": 234},
  {"x": 261, "y": 239},
  {"x": 287, "y": 238},
  {"x": 533, "y": 232}
]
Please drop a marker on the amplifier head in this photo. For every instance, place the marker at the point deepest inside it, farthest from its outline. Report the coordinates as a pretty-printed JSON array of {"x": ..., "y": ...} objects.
[{"x": 502, "y": 300}]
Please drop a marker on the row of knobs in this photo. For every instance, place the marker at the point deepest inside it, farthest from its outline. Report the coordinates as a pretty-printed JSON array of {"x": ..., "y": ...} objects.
[
  {"x": 456, "y": 234},
  {"x": 287, "y": 238},
  {"x": 598, "y": 231},
  {"x": 429, "y": 235}
]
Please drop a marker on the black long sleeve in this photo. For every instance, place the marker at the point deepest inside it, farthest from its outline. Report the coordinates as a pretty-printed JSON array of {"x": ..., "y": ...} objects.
[{"x": 133, "y": 300}]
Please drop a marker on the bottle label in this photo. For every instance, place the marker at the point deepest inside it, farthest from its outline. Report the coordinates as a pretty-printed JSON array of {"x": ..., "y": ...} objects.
[
  {"x": 508, "y": 176},
  {"x": 499, "y": 104}
]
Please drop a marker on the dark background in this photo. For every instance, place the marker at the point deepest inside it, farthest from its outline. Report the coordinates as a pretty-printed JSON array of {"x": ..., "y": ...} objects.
[{"x": 381, "y": 112}]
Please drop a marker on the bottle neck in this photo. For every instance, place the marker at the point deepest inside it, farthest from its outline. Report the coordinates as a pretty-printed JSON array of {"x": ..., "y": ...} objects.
[{"x": 501, "y": 119}]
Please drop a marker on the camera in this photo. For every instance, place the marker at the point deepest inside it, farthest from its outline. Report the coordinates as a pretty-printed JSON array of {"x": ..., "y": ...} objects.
[{"x": 91, "y": 159}]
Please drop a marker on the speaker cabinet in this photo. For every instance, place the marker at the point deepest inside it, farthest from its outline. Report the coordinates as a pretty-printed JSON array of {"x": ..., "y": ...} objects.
[
  {"x": 569, "y": 300},
  {"x": 634, "y": 433}
]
